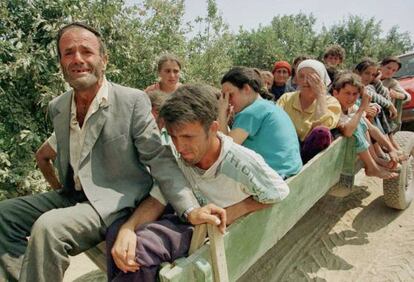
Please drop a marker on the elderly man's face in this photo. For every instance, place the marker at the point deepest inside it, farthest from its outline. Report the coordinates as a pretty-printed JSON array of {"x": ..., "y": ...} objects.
[{"x": 82, "y": 64}]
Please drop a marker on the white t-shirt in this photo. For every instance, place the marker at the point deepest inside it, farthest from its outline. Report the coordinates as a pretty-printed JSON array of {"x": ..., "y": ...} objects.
[
  {"x": 345, "y": 118},
  {"x": 237, "y": 174}
]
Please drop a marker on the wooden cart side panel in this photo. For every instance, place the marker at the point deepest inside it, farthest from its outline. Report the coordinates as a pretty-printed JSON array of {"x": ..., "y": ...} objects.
[{"x": 251, "y": 236}]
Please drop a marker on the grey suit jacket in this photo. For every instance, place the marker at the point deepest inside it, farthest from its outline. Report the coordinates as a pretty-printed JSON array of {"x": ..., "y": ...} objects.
[{"x": 121, "y": 140}]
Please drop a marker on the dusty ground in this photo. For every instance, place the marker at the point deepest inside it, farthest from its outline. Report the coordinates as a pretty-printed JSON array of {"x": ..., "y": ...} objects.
[
  {"x": 351, "y": 238},
  {"x": 354, "y": 237}
]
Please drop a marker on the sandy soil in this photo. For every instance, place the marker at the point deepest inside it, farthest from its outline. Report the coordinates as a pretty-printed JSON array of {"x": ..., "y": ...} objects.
[
  {"x": 351, "y": 238},
  {"x": 344, "y": 237},
  {"x": 82, "y": 269}
]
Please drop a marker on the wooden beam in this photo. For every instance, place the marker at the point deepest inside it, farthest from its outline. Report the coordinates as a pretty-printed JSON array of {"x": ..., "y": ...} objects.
[
  {"x": 218, "y": 254},
  {"x": 198, "y": 238}
]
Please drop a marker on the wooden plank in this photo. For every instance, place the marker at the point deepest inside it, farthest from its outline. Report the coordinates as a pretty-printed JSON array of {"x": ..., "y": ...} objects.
[
  {"x": 251, "y": 236},
  {"x": 218, "y": 254},
  {"x": 98, "y": 255},
  {"x": 198, "y": 238}
]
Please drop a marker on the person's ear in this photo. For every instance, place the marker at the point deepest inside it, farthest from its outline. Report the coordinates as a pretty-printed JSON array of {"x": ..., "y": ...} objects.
[
  {"x": 105, "y": 61},
  {"x": 246, "y": 88},
  {"x": 214, "y": 127}
]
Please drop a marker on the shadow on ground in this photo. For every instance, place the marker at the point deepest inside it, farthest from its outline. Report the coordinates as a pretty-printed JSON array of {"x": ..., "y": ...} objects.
[
  {"x": 308, "y": 246},
  {"x": 93, "y": 276}
]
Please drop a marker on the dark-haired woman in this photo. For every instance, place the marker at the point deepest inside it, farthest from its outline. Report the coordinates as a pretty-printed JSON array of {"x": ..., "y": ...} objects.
[
  {"x": 259, "y": 124},
  {"x": 169, "y": 70}
]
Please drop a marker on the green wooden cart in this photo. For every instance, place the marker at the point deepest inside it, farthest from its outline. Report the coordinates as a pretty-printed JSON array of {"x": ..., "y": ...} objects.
[{"x": 227, "y": 257}]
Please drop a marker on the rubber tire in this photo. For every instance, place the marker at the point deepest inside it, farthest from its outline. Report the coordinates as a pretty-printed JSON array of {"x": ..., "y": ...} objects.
[{"x": 399, "y": 191}]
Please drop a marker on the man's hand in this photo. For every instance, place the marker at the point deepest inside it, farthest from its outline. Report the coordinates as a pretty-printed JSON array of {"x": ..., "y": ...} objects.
[
  {"x": 45, "y": 155},
  {"x": 123, "y": 251},
  {"x": 210, "y": 214}
]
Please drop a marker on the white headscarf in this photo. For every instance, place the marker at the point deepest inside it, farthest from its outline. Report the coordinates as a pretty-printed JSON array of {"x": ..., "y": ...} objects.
[{"x": 318, "y": 67}]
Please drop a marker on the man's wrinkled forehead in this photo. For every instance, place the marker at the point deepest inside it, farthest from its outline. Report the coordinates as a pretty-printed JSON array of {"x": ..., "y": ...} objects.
[
  {"x": 182, "y": 127},
  {"x": 77, "y": 32},
  {"x": 76, "y": 35}
]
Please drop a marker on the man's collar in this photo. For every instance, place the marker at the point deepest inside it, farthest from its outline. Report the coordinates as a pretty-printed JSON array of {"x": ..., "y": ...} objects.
[
  {"x": 101, "y": 98},
  {"x": 103, "y": 93}
]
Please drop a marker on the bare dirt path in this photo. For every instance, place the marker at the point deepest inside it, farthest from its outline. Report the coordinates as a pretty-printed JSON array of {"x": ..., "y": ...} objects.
[{"x": 351, "y": 238}]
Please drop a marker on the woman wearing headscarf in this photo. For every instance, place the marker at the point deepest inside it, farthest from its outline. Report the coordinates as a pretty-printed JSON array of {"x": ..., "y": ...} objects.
[
  {"x": 313, "y": 112},
  {"x": 281, "y": 73}
]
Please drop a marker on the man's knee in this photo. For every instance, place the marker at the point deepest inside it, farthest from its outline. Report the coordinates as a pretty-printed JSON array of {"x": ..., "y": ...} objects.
[
  {"x": 7, "y": 212},
  {"x": 162, "y": 241},
  {"x": 49, "y": 226}
]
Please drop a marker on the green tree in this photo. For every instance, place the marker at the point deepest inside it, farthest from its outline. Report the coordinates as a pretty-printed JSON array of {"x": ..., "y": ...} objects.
[
  {"x": 208, "y": 52},
  {"x": 29, "y": 72},
  {"x": 285, "y": 38},
  {"x": 136, "y": 35},
  {"x": 363, "y": 38}
]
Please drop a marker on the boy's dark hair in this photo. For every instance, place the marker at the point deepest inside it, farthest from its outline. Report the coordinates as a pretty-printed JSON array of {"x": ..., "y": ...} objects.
[
  {"x": 190, "y": 103},
  {"x": 332, "y": 72},
  {"x": 364, "y": 64},
  {"x": 62, "y": 30},
  {"x": 335, "y": 50},
  {"x": 157, "y": 98},
  {"x": 239, "y": 76},
  {"x": 391, "y": 59},
  {"x": 165, "y": 58},
  {"x": 347, "y": 78}
]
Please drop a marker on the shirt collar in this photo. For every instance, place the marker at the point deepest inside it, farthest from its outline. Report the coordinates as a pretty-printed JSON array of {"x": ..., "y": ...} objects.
[
  {"x": 297, "y": 106},
  {"x": 102, "y": 95},
  {"x": 101, "y": 98}
]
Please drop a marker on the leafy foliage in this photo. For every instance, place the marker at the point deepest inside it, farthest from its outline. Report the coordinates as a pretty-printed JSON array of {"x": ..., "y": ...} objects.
[
  {"x": 208, "y": 52},
  {"x": 135, "y": 36},
  {"x": 285, "y": 38},
  {"x": 363, "y": 38},
  {"x": 293, "y": 35}
]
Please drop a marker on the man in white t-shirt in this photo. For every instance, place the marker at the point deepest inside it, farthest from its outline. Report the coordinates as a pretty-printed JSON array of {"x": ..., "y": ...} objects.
[{"x": 226, "y": 177}]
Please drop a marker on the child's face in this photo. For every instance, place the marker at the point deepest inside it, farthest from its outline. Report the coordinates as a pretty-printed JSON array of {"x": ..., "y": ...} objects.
[
  {"x": 389, "y": 70},
  {"x": 347, "y": 96},
  {"x": 368, "y": 75},
  {"x": 170, "y": 73},
  {"x": 238, "y": 98},
  {"x": 333, "y": 60},
  {"x": 267, "y": 80}
]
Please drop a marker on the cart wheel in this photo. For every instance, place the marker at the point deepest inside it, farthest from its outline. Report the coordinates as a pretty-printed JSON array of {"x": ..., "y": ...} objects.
[{"x": 399, "y": 191}]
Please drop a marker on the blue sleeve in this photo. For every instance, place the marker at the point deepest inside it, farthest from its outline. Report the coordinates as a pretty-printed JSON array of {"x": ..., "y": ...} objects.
[{"x": 249, "y": 119}]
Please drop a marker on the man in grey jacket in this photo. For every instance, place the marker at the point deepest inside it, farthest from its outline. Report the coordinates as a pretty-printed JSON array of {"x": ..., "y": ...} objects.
[{"x": 104, "y": 140}]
